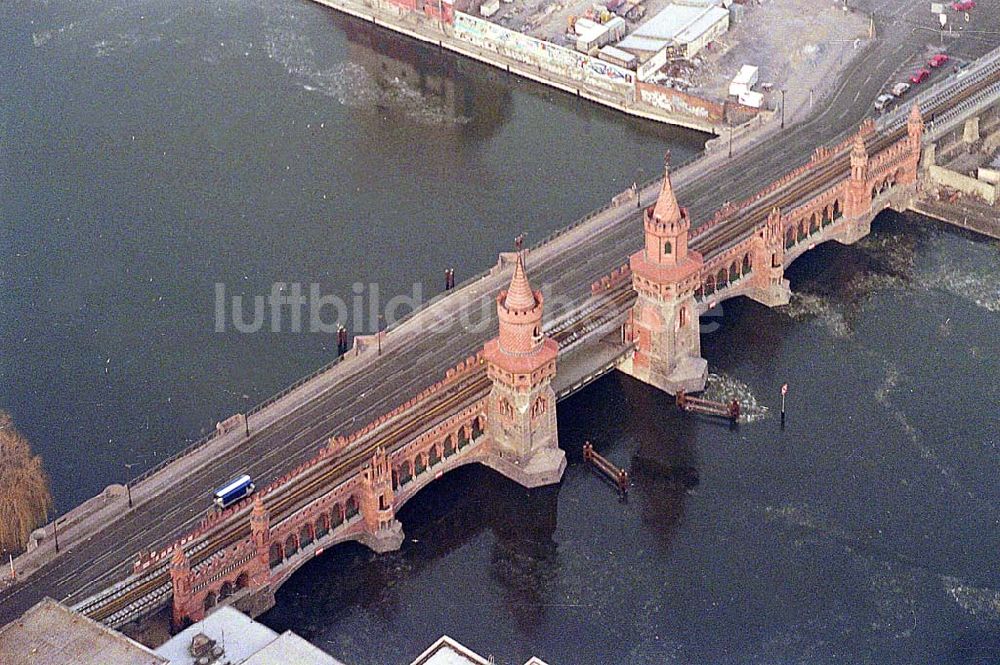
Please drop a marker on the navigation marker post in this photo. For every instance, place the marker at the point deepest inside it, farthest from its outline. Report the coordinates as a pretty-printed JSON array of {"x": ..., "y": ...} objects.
[{"x": 784, "y": 391}]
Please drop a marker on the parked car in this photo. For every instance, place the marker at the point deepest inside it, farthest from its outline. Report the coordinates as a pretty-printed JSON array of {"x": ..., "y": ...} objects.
[
  {"x": 882, "y": 102},
  {"x": 963, "y": 5},
  {"x": 920, "y": 75},
  {"x": 900, "y": 88},
  {"x": 938, "y": 60}
]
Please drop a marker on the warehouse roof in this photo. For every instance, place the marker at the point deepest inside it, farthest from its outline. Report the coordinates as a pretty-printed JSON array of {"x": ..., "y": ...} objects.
[
  {"x": 50, "y": 633},
  {"x": 675, "y": 23}
]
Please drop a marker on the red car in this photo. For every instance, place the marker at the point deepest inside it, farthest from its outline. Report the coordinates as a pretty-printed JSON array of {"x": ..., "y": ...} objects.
[
  {"x": 963, "y": 5},
  {"x": 938, "y": 60},
  {"x": 920, "y": 75}
]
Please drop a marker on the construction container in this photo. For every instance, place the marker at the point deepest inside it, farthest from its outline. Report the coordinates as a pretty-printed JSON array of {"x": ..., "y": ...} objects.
[
  {"x": 744, "y": 81},
  {"x": 489, "y": 8}
]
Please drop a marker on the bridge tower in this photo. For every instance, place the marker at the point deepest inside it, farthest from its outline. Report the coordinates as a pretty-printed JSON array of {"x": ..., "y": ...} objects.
[
  {"x": 260, "y": 534},
  {"x": 858, "y": 199},
  {"x": 180, "y": 580},
  {"x": 383, "y": 532},
  {"x": 914, "y": 136},
  {"x": 768, "y": 263},
  {"x": 665, "y": 275},
  {"x": 521, "y": 411}
]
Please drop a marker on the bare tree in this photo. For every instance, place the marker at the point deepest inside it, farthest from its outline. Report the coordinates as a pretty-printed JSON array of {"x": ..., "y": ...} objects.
[{"x": 25, "y": 498}]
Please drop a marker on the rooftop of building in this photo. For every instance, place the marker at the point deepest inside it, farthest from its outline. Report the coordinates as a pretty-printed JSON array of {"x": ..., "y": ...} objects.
[
  {"x": 236, "y": 634},
  {"x": 674, "y": 23},
  {"x": 289, "y": 648},
  {"x": 447, "y": 651},
  {"x": 50, "y": 633}
]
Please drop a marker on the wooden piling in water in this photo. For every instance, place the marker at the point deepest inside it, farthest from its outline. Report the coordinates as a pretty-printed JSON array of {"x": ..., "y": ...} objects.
[
  {"x": 617, "y": 476},
  {"x": 707, "y": 407}
]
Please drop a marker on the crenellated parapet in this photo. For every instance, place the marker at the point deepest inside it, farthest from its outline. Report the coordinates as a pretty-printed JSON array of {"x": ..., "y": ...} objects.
[{"x": 618, "y": 276}]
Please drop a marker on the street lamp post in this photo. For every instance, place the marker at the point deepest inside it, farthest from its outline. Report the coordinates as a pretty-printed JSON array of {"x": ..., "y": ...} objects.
[
  {"x": 638, "y": 191},
  {"x": 128, "y": 482},
  {"x": 730, "y": 141},
  {"x": 379, "y": 334},
  {"x": 782, "y": 108}
]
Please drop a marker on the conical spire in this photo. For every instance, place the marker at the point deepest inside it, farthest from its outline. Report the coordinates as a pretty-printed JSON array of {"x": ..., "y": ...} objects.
[
  {"x": 859, "y": 153},
  {"x": 519, "y": 297},
  {"x": 666, "y": 209},
  {"x": 915, "y": 123},
  {"x": 259, "y": 512},
  {"x": 179, "y": 559}
]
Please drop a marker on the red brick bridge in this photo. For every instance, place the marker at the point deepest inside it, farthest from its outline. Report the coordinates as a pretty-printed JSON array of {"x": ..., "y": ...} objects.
[{"x": 498, "y": 407}]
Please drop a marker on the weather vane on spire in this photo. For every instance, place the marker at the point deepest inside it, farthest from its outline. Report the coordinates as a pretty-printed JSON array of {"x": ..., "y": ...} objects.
[{"x": 519, "y": 242}]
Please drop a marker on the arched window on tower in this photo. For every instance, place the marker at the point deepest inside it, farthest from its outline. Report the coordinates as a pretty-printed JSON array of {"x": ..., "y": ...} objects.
[
  {"x": 683, "y": 317},
  {"x": 538, "y": 408},
  {"x": 667, "y": 248}
]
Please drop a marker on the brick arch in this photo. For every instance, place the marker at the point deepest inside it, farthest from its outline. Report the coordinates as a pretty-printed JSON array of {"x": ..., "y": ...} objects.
[
  {"x": 276, "y": 554},
  {"x": 450, "y": 444},
  {"x": 226, "y": 590},
  {"x": 211, "y": 600},
  {"x": 337, "y": 515},
  {"x": 291, "y": 545},
  {"x": 351, "y": 507},
  {"x": 305, "y": 534},
  {"x": 242, "y": 580},
  {"x": 709, "y": 283},
  {"x": 321, "y": 526},
  {"x": 746, "y": 264}
]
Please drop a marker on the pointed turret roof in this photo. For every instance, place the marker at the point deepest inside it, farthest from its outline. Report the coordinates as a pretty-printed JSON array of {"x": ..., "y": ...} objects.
[
  {"x": 666, "y": 209},
  {"x": 179, "y": 559},
  {"x": 859, "y": 150},
  {"x": 519, "y": 296},
  {"x": 259, "y": 511}
]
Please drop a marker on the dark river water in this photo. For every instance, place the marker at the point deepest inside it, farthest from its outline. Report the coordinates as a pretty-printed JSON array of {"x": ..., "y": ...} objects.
[{"x": 149, "y": 151}]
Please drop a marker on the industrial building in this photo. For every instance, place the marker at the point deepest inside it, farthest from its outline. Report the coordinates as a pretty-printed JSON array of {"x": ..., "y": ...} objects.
[{"x": 678, "y": 31}]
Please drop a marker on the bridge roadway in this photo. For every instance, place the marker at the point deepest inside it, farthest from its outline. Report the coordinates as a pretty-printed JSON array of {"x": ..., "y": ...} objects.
[{"x": 412, "y": 358}]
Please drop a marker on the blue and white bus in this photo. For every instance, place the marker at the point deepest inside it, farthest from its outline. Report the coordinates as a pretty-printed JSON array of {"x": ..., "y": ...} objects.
[{"x": 233, "y": 491}]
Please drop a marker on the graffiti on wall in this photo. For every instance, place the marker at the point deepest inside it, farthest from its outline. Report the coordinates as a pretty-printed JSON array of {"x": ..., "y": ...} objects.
[
  {"x": 544, "y": 55},
  {"x": 675, "y": 101}
]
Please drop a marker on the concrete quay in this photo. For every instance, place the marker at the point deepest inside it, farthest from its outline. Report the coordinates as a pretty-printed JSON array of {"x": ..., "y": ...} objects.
[{"x": 436, "y": 33}]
